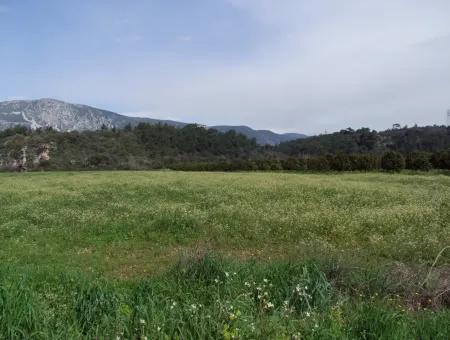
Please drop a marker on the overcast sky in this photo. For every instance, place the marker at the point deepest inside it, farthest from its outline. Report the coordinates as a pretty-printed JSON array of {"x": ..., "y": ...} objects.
[{"x": 288, "y": 65}]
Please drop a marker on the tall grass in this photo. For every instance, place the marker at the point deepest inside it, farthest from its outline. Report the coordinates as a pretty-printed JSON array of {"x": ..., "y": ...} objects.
[{"x": 206, "y": 297}]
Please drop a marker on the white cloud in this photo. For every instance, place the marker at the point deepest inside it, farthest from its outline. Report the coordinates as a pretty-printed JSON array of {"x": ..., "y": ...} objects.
[
  {"x": 319, "y": 65},
  {"x": 329, "y": 65}
]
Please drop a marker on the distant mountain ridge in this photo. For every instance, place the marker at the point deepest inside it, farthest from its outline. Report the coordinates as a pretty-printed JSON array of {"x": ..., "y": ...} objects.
[
  {"x": 62, "y": 116},
  {"x": 262, "y": 136}
]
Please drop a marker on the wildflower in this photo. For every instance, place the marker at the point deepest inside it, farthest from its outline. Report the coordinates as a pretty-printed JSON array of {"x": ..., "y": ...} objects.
[
  {"x": 142, "y": 321},
  {"x": 158, "y": 328},
  {"x": 308, "y": 314},
  {"x": 269, "y": 305},
  {"x": 246, "y": 284},
  {"x": 216, "y": 280},
  {"x": 265, "y": 280},
  {"x": 227, "y": 274}
]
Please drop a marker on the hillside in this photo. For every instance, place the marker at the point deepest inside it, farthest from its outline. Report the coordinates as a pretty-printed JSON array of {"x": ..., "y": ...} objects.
[
  {"x": 263, "y": 137},
  {"x": 364, "y": 140},
  {"x": 62, "y": 116}
]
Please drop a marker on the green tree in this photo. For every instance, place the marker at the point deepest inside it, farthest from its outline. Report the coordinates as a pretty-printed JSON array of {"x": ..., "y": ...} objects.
[
  {"x": 418, "y": 161},
  {"x": 392, "y": 161}
]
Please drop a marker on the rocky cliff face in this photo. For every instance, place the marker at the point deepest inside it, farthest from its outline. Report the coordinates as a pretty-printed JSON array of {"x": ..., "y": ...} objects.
[
  {"x": 22, "y": 156},
  {"x": 59, "y": 115}
]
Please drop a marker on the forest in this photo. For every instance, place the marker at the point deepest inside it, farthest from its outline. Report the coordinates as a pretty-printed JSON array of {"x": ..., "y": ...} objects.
[{"x": 194, "y": 147}]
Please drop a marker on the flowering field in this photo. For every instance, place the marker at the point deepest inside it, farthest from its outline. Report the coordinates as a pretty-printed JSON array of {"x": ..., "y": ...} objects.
[{"x": 164, "y": 255}]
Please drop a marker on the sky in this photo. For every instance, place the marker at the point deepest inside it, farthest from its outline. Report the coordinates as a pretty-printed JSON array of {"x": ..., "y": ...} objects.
[{"x": 305, "y": 66}]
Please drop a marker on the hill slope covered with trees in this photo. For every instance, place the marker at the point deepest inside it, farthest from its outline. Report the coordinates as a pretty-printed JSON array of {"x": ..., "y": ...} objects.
[{"x": 192, "y": 147}]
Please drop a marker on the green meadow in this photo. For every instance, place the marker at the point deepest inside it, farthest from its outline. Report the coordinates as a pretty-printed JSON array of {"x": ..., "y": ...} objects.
[{"x": 177, "y": 255}]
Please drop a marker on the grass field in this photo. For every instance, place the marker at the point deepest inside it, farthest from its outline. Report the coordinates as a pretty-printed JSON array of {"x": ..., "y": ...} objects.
[{"x": 224, "y": 255}]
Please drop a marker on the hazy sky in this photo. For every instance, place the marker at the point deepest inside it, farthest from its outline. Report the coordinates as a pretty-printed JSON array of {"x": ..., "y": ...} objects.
[{"x": 288, "y": 65}]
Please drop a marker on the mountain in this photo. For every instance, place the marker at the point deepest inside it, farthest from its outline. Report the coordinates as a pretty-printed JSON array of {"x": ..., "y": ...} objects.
[
  {"x": 64, "y": 116},
  {"x": 262, "y": 137}
]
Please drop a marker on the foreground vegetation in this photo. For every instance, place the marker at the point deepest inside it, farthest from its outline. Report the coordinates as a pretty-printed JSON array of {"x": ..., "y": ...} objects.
[{"x": 224, "y": 255}]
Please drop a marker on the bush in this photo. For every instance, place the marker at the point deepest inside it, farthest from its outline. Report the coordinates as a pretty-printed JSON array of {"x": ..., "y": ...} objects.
[
  {"x": 441, "y": 160},
  {"x": 340, "y": 162},
  {"x": 364, "y": 162},
  {"x": 418, "y": 161},
  {"x": 297, "y": 164},
  {"x": 318, "y": 164},
  {"x": 392, "y": 161}
]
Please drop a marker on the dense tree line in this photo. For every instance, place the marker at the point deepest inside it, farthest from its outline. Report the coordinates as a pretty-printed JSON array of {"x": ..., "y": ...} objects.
[
  {"x": 389, "y": 161},
  {"x": 193, "y": 147},
  {"x": 404, "y": 140},
  {"x": 145, "y": 146}
]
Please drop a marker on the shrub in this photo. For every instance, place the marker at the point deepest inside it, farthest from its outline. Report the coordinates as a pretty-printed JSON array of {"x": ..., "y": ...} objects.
[
  {"x": 392, "y": 161},
  {"x": 364, "y": 162},
  {"x": 275, "y": 164},
  {"x": 340, "y": 162},
  {"x": 263, "y": 164},
  {"x": 318, "y": 164},
  {"x": 418, "y": 161},
  {"x": 292, "y": 163},
  {"x": 441, "y": 160}
]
